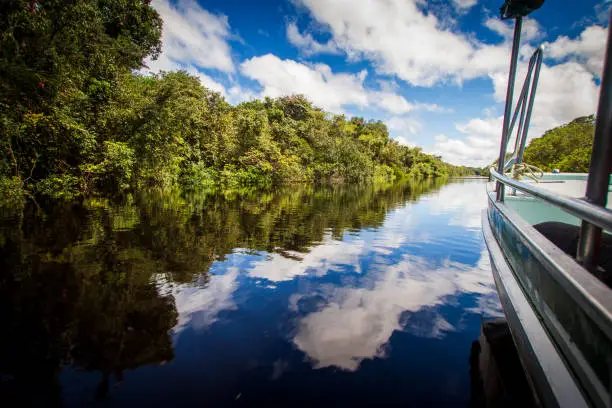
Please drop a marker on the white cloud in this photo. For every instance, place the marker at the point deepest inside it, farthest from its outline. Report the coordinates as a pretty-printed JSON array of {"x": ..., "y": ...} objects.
[
  {"x": 478, "y": 146},
  {"x": 530, "y": 31},
  {"x": 208, "y": 82},
  {"x": 307, "y": 44},
  {"x": 193, "y": 36},
  {"x": 565, "y": 91},
  {"x": 237, "y": 94},
  {"x": 392, "y": 102},
  {"x": 464, "y": 4},
  {"x": 402, "y": 128},
  {"x": 396, "y": 104},
  {"x": 587, "y": 49},
  {"x": 431, "y": 51},
  {"x": 163, "y": 63},
  {"x": 327, "y": 89},
  {"x": 193, "y": 39},
  {"x": 400, "y": 39}
]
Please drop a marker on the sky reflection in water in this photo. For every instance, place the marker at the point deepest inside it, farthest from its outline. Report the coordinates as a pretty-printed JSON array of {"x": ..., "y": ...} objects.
[{"x": 366, "y": 312}]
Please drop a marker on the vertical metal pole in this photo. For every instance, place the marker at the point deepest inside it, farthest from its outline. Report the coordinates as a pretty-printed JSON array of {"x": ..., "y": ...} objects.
[
  {"x": 509, "y": 95},
  {"x": 522, "y": 100},
  {"x": 600, "y": 167},
  {"x": 534, "y": 86},
  {"x": 523, "y": 107}
]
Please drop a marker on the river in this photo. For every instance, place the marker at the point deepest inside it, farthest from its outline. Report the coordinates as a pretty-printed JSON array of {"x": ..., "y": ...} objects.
[{"x": 331, "y": 296}]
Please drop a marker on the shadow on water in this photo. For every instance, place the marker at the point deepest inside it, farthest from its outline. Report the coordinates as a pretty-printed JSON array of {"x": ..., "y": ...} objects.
[{"x": 88, "y": 290}]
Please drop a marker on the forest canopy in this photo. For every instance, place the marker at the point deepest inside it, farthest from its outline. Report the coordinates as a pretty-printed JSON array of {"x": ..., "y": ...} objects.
[
  {"x": 567, "y": 147},
  {"x": 76, "y": 117}
]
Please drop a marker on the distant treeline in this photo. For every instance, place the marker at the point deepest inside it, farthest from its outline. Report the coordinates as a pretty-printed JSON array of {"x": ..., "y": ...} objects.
[{"x": 75, "y": 118}]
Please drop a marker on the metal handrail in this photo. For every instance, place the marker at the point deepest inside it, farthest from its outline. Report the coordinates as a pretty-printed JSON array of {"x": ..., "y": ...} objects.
[
  {"x": 591, "y": 213},
  {"x": 522, "y": 111},
  {"x": 524, "y": 106}
]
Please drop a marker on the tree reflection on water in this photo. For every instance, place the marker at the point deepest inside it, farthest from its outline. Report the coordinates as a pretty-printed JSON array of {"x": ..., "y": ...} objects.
[{"x": 79, "y": 282}]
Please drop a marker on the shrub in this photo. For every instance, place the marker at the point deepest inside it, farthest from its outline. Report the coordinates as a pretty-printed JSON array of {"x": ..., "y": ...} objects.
[
  {"x": 197, "y": 176},
  {"x": 12, "y": 193},
  {"x": 62, "y": 187}
]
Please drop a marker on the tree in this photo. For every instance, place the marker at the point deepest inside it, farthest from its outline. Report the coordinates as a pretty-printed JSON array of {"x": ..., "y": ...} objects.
[
  {"x": 76, "y": 119},
  {"x": 567, "y": 147},
  {"x": 59, "y": 61}
]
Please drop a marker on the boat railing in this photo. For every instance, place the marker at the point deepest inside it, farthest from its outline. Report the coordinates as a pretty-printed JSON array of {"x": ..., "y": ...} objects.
[
  {"x": 571, "y": 298},
  {"x": 591, "y": 209},
  {"x": 523, "y": 109},
  {"x": 592, "y": 213}
]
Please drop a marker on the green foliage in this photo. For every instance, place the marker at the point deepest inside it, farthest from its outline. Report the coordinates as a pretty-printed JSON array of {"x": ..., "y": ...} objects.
[
  {"x": 11, "y": 192},
  {"x": 59, "y": 186},
  {"x": 115, "y": 169},
  {"x": 75, "y": 119},
  {"x": 567, "y": 148},
  {"x": 196, "y": 176},
  {"x": 60, "y": 64}
]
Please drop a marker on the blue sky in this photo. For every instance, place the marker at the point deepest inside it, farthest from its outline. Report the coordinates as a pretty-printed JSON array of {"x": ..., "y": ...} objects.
[{"x": 434, "y": 71}]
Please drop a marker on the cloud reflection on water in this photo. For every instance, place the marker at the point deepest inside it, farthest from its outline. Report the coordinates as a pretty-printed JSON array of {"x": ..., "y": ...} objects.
[
  {"x": 198, "y": 306},
  {"x": 330, "y": 255},
  {"x": 427, "y": 254},
  {"x": 356, "y": 323}
]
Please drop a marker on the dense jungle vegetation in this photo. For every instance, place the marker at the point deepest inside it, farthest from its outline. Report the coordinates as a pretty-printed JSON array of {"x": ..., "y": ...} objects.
[
  {"x": 77, "y": 117},
  {"x": 567, "y": 147}
]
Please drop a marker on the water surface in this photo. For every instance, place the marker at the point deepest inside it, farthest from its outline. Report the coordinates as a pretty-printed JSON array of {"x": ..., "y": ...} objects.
[{"x": 343, "y": 296}]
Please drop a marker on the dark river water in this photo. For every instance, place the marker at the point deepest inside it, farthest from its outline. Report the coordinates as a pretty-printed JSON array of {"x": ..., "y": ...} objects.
[{"x": 337, "y": 296}]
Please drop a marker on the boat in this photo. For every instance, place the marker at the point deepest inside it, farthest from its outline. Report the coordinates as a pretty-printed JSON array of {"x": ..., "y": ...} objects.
[{"x": 548, "y": 237}]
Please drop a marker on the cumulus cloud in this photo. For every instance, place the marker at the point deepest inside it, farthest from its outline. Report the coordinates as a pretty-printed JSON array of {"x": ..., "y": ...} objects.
[
  {"x": 401, "y": 39},
  {"x": 587, "y": 48},
  {"x": 433, "y": 52},
  {"x": 403, "y": 128},
  {"x": 396, "y": 104},
  {"x": 441, "y": 54},
  {"x": 565, "y": 91},
  {"x": 307, "y": 44},
  {"x": 531, "y": 29},
  {"x": 327, "y": 89},
  {"x": 193, "y": 39},
  {"x": 237, "y": 94},
  {"x": 479, "y": 144},
  {"x": 163, "y": 63},
  {"x": 194, "y": 36}
]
